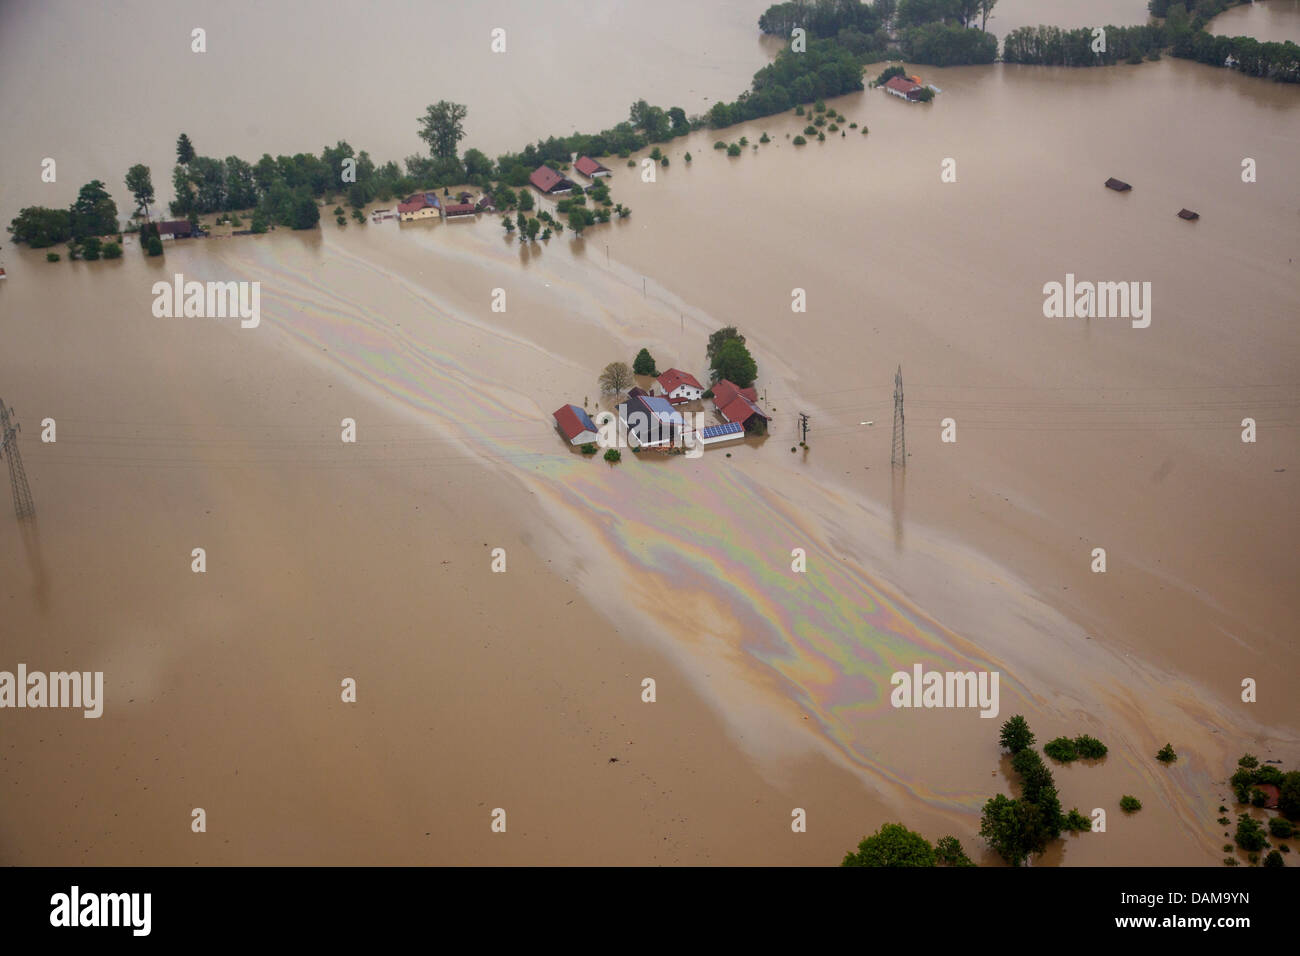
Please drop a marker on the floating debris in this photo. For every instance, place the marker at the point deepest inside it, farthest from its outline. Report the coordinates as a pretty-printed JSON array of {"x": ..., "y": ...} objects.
[
  {"x": 1118, "y": 185},
  {"x": 1188, "y": 215}
]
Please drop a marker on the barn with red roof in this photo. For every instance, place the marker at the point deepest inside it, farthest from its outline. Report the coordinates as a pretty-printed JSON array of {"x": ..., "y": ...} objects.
[{"x": 549, "y": 181}]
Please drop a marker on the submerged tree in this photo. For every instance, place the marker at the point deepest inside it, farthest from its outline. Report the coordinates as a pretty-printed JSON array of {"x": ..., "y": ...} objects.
[
  {"x": 615, "y": 377},
  {"x": 644, "y": 363},
  {"x": 184, "y": 149},
  {"x": 140, "y": 182},
  {"x": 892, "y": 845},
  {"x": 442, "y": 127}
]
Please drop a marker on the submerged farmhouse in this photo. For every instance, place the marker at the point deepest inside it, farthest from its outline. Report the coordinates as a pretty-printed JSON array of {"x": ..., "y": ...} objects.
[
  {"x": 549, "y": 181},
  {"x": 575, "y": 424},
  {"x": 651, "y": 419},
  {"x": 740, "y": 406},
  {"x": 904, "y": 88},
  {"x": 420, "y": 206},
  {"x": 175, "y": 229},
  {"x": 678, "y": 386},
  {"x": 590, "y": 168}
]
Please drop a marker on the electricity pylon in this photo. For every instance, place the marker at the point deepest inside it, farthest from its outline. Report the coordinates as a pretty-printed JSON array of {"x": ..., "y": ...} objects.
[
  {"x": 899, "y": 455},
  {"x": 23, "y": 505}
]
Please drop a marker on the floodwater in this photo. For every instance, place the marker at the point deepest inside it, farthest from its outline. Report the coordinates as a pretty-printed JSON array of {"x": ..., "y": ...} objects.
[
  {"x": 479, "y": 690},
  {"x": 1266, "y": 20}
]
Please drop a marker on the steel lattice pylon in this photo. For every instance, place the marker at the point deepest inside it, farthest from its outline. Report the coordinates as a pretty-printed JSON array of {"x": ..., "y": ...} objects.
[
  {"x": 23, "y": 505},
  {"x": 899, "y": 455}
]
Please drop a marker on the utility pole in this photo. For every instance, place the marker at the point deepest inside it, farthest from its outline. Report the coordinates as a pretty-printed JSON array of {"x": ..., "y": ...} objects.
[
  {"x": 898, "y": 456},
  {"x": 803, "y": 426},
  {"x": 23, "y": 506}
]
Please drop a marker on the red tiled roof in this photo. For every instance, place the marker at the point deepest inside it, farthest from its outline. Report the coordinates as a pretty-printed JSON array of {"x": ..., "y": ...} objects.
[
  {"x": 725, "y": 391},
  {"x": 461, "y": 209},
  {"x": 545, "y": 178},
  {"x": 415, "y": 203},
  {"x": 902, "y": 84},
  {"x": 674, "y": 377},
  {"x": 573, "y": 421},
  {"x": 740, "y": 409},
  {"x": 587, "y": 166},
  {"x": 736, "y": 404}
]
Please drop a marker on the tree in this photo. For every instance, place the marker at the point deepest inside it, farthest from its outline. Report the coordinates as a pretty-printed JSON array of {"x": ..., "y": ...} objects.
[
  {"x": 1130, "y": 804},
  {"x": 305, "y": 214},
  {"x": 154, "y": 246},
  {"x": 615, "y": 377},
  {"x": 734, "y": 363},
  {"x": 184, "y": 149},
  {"x": 41, "y": 227},
  {"x": 140, "y": 182},
  {"x": 478, "y": 168},
  {"x": 892, "y": 845},
  {"x": 1289, "y": 801},
  {"x": 985, "y": 8},
  {"x": 720, "y": 338},
  {"x": 948, "y": 852},
  {"x": 1166, "y": 754},
  {"x": 532, "y": 227},
  {"x": 111, "y": 250},
  {"x": 90, "y": 248},
  {"x": 442, "y": 128},
  {"x": 526, "y": 201},
  {"x": 94, "y": 213},
  {"x": 259, "y": 223},
  {"x": 1013, "y": 828},
  {"x": 1016, "y": 735},
  {"x": 1250, "y": 835},
  {"x": 613, "y": 455},
  {"x": 644, "y": 363}
]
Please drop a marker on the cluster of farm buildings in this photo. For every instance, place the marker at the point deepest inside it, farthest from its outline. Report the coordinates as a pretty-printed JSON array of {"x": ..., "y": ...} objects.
[
  {"x": 427, "y": 205},
  {"x": 653, "y": 419}
]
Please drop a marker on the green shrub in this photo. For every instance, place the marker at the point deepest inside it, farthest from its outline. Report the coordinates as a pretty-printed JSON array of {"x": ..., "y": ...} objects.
[
  {"x": 52, "y": 257},
  {"x": 1258, "y": 797},
  {"x": 1061, "y": 750},
  {"x": 765, "y": 138},
  {"x": 1166, "y": 754},
  {"x": 1249, "y": 835},
  {"x": 810, "y": 130},
  {"x": 948, "y": 852},
  {"x": 1274, "y": 859},
  {"x": 613, "y": 456},
  {"x": 719, "y": 145},
  {"x": 821, "y": 137},
  {"x": 1130, "y": 804},
  {"x": 154, "y": 246},
  {"x": 1089, "y": 748},
  {"x": 733, "y": 150},
  {"x": 112, "y": 250},
  {"x": 1250, "y": 761},
  {"x": 1075, "y": 821},
  {"x": 589, "y": 448},
  {"x": 819, "y": 107},
  {"x": 798, "y": 111},
  {"x": 687, "y": 157},
  {"x": 1280, "y": 828}
]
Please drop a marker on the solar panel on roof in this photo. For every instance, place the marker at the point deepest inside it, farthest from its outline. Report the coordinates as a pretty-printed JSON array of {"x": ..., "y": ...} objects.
[{"x": 713, "y": 431}]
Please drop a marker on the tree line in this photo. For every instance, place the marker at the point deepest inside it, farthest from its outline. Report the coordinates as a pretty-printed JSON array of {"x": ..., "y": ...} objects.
[{"x": 1182, "y": 34}]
